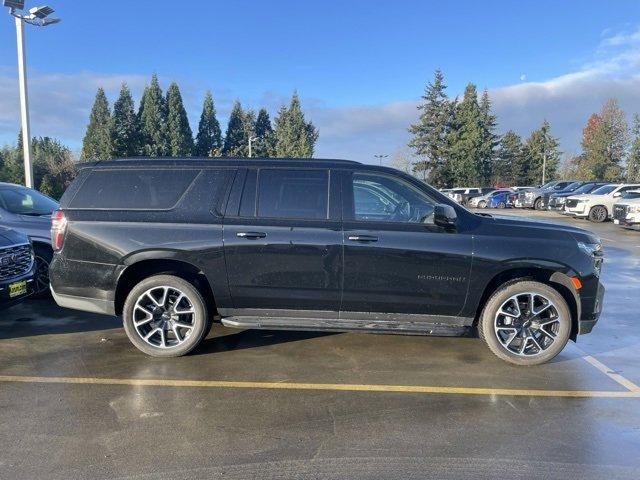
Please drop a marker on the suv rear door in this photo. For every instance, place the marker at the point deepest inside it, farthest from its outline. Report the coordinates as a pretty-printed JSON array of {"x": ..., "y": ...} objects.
[
  {"x": 395, "y": 259},
  {"x": 283, "y": 242}
]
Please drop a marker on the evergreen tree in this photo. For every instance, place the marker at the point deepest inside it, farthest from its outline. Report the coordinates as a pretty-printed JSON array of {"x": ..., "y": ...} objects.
[
  {"x": 234, "y": 140},
  {"x": 605, "y": 141},
  {"x": 153, "y": 120},
  {"x": 465, "y": 140},
  {"x": 126, "y": 129},
  {"x": 295, "y": 137},
  {"x": 509, "y": 167},
  {"x": 429, "y": 134},
  {"x": 179, "y": 133},
  {"x": 541, "y": 148},
  {"x": 488, "y": 142},
  {"x": 264, "y": 146},
  {"x": 209, "y": 137},
  {"x": 633, "y": 162},
  {"x": 97, "y": 144}
]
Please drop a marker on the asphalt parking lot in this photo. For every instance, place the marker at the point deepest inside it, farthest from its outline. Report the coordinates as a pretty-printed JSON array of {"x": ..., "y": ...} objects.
[{"x": 78, "y": 401}]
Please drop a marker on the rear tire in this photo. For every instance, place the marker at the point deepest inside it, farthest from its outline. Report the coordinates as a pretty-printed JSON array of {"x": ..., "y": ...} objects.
[
  {"x": 514, "y": 332},
  {"x": 537, "y": 205},
  {"x": 598, "y": 214},
  {"x": 165, "y": 316}
]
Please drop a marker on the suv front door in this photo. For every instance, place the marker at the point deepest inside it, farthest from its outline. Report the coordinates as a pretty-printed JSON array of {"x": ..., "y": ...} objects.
[
  {"x": 283, "y": 243},
  {"x": 396, "y": 261}
]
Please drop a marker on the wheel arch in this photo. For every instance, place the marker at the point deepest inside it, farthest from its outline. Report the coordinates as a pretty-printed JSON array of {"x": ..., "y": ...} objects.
[
  {"x": 137, "y": 271},
  {"x": 560, "y": 281}
]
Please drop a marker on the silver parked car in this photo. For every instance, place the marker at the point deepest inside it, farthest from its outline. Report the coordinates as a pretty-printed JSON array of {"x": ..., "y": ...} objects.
[{"x": 29, "y": 212}]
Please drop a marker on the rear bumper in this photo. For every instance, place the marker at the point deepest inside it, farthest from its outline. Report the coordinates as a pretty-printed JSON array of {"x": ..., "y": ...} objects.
[{"x": 86, "y": 304}]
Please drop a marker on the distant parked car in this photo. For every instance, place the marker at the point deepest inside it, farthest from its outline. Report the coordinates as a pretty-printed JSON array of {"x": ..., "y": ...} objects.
[
  {"x": 597, "y": 205},
  {"x": 626, "y": 211},
  {"x": 466, "y": 198},
  {"x": 16, "y": 267},
  {"x": 459, "y": 194},
  {"x": 572, "y": 187},
  {"x": 486, "y": 201},
  {"x": 29, "y": 212},
  {"x": 557, "y": 200},
  {"x": 534, "y": 198}
]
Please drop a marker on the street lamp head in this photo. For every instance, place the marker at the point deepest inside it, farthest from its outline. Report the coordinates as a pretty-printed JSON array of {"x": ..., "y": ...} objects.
[
  {"x": 14, "y": 4},
  {"x": 40, "y": 12},
  {"x": 50, "y": 21}
]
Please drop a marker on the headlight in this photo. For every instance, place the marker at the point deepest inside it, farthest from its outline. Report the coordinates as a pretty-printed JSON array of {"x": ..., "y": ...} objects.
[
  {"x": 561, "y": 200},
  {"x": 528, "y": 194},
  {"x": 634, "y": 208},
  {"x": 594, "y": 250}
]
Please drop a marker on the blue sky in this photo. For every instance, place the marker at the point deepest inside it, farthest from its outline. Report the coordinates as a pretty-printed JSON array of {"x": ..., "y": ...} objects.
[{"x": 359, "y": 66}]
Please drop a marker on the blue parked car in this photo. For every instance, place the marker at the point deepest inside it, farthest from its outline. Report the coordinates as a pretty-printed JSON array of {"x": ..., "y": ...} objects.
[{"x": 498, "y": 199}]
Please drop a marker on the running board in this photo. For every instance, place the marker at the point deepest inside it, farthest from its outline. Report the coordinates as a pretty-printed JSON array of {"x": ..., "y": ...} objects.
[{"x": 403, "y": 327}]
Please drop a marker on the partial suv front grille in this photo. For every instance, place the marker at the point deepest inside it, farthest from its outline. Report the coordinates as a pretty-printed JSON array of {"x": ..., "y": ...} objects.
[
  {"x": 15, "y": 261},
  {"x": 619, "y": 212},
  {"x": 571, "y": 203}
]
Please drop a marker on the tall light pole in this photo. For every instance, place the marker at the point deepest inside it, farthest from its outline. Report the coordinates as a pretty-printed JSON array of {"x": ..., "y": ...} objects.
[
  {"x": 37, "y": 16},
  {"x": 380, "y": 157},
  {"x": 251, "y": 140}
]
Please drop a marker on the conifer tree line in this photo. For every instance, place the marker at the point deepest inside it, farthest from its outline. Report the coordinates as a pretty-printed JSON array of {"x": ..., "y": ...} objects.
[
  {"x": 456, "y": 144},
  {"x": 160, "y": 127}
]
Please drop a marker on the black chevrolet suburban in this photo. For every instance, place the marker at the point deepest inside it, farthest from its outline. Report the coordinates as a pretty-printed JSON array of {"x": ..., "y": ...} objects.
[{"x": 173, "y": 245}]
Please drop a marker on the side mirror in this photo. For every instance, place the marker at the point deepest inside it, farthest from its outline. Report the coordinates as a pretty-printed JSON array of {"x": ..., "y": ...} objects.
[{"x": 445, "y": 216}]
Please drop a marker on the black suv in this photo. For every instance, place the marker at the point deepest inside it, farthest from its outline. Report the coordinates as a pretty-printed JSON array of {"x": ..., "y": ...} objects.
[{"x": 308, "y": 244}]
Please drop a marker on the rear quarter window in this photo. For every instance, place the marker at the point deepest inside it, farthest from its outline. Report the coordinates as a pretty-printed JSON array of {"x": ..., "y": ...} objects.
[{"x": 133, "y": 189}]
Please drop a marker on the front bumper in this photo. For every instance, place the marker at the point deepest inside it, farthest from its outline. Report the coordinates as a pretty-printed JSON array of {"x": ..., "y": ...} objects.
[
  {"x": 590, "y": 310},
  {"x": 5, "y": 299}
]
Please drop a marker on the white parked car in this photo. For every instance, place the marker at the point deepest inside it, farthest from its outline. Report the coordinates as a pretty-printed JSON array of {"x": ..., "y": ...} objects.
[
  {"x": 458, "y": 194},
  {"x": 626, "y": 211},
  {"x": 597, "y": 206}
]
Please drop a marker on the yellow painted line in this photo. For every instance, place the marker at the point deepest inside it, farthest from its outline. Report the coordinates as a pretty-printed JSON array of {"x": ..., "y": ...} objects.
[
  {"x": 613, "y": 375},
  {"x": 322, "y": 386}
]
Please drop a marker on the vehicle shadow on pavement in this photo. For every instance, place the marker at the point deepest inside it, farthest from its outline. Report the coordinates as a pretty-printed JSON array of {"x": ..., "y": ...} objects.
[
  {"x": 244, "y": 339},
  {"x": 44, "y": 317}
]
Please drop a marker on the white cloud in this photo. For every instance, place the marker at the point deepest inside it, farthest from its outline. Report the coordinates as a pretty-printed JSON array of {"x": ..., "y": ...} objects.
[{"x": 60, "y": 103}]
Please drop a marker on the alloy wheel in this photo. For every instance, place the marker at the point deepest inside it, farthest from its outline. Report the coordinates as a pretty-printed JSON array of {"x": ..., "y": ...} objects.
[
  {"x": 164, "y": 317},
  {"x": 527, "y": 324},
  {"x": 41, "y": 277}
]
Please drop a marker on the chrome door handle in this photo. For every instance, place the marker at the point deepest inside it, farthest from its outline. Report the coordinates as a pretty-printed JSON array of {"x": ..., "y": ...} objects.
[
  {"x": 251, "y": 235},
  {"x": 363, "y": 238}
]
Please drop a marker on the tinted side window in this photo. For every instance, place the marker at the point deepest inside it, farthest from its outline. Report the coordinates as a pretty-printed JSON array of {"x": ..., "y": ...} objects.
[
  {"x": 384, "y": 198},
  {"x": 132, "y": 189},
  {"x": 293, "y": 193}
]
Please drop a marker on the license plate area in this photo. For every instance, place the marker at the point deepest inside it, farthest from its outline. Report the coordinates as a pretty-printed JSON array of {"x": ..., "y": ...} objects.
[{"x": 17, "y": 288}]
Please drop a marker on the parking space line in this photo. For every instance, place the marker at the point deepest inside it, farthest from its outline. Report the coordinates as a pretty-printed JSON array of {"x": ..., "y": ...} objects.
[
  {"x": 612, "y": 374},
  {"x": 323, "y": 386}
]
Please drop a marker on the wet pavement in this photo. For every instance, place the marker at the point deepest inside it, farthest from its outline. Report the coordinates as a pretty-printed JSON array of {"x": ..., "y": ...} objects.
[{"x": 78, "y": 401}]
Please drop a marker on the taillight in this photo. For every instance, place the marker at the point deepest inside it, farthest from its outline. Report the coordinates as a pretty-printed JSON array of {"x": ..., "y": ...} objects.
[{"x": 58, "y": 229}]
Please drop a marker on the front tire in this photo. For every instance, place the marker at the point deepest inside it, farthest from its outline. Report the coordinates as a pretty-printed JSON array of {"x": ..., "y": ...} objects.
[
  {"x": 43, "y": 256},
  {"x": 537, "y": 205},
  {"x": 501, "y": 205},
  {"x": 525, "y": 323},
  {"x": 482, "y": 204},
  {"x": 165, "y": 316},
  {"x": 598, "y": 214}
]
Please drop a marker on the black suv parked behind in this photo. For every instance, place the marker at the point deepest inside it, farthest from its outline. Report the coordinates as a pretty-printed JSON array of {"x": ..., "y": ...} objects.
[{"x": 172, "y": 245}]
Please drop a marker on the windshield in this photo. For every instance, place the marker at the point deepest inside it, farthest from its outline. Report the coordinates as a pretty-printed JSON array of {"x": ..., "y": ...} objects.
[
  {"x": 604, "y": 190},
  {"x": 24, "y": 201},
  {"x": 548, "y": 185},
  {"x": 586, "y": 188},
  {"x": 573, "y": 186}
]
